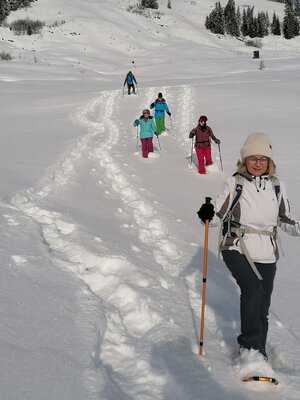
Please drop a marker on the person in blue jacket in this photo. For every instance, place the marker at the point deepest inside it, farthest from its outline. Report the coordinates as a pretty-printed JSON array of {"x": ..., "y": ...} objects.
[
  {"x": 147, "y": 129},
  {"x": 130, "y": 80},
  {"x": 160, "y": 107}
]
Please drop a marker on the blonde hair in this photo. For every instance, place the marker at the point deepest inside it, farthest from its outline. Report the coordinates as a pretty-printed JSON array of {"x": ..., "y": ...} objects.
[{"x": 242, "y": 167}]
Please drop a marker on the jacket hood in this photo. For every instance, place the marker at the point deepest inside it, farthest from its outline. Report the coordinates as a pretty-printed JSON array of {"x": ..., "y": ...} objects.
[{"x": 150, "y": 117}]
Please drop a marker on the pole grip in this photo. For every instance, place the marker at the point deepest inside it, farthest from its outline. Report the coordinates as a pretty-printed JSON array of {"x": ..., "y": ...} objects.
[{"x": 208, "y": 200}]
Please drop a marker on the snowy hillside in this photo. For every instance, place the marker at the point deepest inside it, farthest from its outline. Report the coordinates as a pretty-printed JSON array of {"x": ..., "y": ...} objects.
[{"x": 102, "y": 251}]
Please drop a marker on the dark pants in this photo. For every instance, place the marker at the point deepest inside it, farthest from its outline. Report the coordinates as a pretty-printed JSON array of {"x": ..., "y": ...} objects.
[
  {"x": 255, "y": 298},
  {"x": 129, "y": 88},
  {"x": 147, "y": 146}
]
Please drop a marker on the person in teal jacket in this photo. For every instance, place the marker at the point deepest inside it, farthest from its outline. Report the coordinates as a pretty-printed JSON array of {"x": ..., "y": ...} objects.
[
  {"x": 130, "y": 80},
  {"x": 160, "y": 107},
  {"x": 147, "y": 129}
]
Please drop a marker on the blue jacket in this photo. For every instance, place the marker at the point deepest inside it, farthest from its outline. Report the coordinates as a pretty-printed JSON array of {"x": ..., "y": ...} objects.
[
  {"x": 130, "y": 78},
  {"x": 147, "y": 126},
  {"x": 160, "y": 108}
]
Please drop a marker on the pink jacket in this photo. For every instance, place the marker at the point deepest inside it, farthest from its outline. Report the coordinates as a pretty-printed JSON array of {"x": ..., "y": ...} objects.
[{"x": 203, "y": 136}]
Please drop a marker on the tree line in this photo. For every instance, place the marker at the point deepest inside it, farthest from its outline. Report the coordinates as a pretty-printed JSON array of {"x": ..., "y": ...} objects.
[
  {"x": 229, "y": 20},
  {"x": 153, "y": 4},
  {"x": 6, "y": 6}
]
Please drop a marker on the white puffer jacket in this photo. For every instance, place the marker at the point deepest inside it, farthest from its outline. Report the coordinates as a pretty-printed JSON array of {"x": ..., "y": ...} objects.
[{"x": 258, "y": 209}]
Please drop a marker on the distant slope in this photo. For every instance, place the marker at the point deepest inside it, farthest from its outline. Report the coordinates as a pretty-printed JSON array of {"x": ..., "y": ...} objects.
[{"x": 106, "y": 38}]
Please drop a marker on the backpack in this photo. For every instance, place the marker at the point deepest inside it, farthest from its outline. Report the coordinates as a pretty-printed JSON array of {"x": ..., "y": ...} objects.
[
  {"x": 129, "y": 79},
  {"x": 239, "y": 181},
  {"x": 231, "y": 229}
]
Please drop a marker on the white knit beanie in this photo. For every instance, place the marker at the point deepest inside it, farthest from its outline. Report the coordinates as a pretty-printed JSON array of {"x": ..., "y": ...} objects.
[{"x": 257, "y": 144}]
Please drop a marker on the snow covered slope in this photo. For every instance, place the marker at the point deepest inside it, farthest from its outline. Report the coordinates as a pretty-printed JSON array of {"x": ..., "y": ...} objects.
[{"x": 101, "y": 250}]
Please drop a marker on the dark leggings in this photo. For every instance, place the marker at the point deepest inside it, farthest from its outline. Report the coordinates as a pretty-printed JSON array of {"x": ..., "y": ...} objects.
[
  {"x": 255, "y": 298},
  {"x": 129, "y": 86}
]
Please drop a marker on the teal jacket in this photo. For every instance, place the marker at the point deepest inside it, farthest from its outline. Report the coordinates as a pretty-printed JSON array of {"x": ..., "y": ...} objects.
[
  {"x": 147, "y": 126},
  {"x": 160, "y": 108}
]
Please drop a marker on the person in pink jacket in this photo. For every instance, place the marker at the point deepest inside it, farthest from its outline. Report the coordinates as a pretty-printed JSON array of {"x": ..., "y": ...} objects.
[{"x": 203, "y": 134}]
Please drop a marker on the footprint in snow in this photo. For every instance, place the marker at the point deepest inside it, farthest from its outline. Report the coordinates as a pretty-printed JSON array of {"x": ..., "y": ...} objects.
[{"x": 19, "y": 259}]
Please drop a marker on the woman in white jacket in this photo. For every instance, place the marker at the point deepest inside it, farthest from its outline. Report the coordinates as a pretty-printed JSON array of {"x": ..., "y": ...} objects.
[{"x": 251, "y": 207}]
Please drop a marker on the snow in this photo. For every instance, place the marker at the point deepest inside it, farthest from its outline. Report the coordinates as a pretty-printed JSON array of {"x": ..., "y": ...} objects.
[{"x": 101, "y": 250}]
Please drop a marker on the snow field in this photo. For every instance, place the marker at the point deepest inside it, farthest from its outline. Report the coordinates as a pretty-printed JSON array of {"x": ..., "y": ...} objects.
[
  {"x": 130, "y": 313},
  {"x": 122, "y": 230},
  {"x": 133, "y": 319}
]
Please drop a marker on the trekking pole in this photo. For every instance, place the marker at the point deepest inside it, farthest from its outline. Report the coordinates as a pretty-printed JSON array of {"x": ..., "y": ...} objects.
[
  {"x": 123, "y": 91},
  {"x": 192, "y": 151},
  {"x": 137, "y": 89},
  {"x": 207, "y": 201},
  {"x": 220, "y": 157},
  {"x": 171, "y": 125},
  {"x": 137, "y": 138},
  {"x": 158, "y": 142}
]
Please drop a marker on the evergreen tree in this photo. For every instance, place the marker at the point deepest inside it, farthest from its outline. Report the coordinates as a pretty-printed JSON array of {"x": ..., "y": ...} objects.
[
  {"x": 4, "y": 10},
  {"x": 150, "y": 4},
  {"x": 248, "y": 27},
  {"x": 278, "y": 28},
  {"x": 290, "y": 26},
  {"x": 297, "y": 16},
  {"x": 275, "y": 26},
  {"x": 253, "y": 28},
  {"x": 207, "y": 22},
  {"x": 231, "y": 19},
  {"x": 297, "y": 8},
  {"x": 239, "y": 17},
  {"x": 244, "y": 24},
  {"x": 252, "y": 23},
  {"x": 267, "y": 19},
  {"x": 6, "y": 6},
  {"x": 262, "y": 24},
  {"x": 16, "y": 4},
  {"x": 297, "y": 27},
  {"x": 215, "y": 21},
  {"x": 169, "y": 4}
]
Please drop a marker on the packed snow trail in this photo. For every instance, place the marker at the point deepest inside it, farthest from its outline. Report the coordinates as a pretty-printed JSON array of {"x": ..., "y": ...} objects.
[{"x": 147, "y": 345}]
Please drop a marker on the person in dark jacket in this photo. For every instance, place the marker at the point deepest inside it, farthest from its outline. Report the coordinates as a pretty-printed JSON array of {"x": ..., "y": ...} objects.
[
  {"x": 160, "y": 107},
  {"x": 203, "y": 134},
  {"x": 130, "y": 81}
]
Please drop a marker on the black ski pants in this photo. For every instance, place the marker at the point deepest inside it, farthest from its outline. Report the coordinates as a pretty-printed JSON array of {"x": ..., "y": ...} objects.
[
  {"x": 129, "y": 87},
  {"x": 255, "y": 298}
]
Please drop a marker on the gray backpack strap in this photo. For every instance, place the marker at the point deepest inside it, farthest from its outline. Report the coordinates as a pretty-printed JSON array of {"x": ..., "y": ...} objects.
[
  {"x": 225, "y": 227},
  {"x": 247, "y": 255},
  {"x": 276, "y": 185}
]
